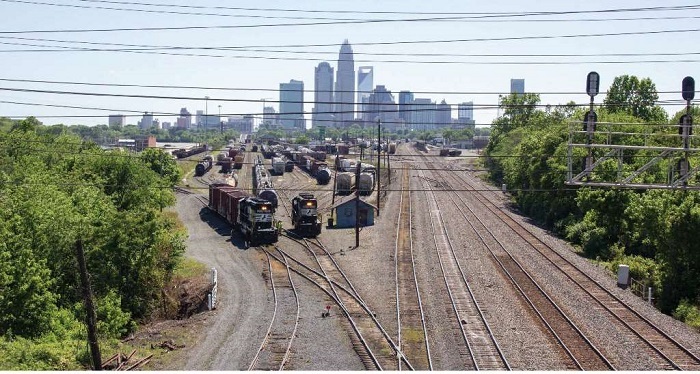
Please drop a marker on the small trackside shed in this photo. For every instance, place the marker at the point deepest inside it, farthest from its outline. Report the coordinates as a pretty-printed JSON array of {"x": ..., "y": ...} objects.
[{"x": 345, "y": 213}]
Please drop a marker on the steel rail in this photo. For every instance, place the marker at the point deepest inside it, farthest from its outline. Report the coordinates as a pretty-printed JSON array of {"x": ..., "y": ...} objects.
[
  {"x": 452, "y": 296},
  {"x": 274, "y": 315},
  {"x": 409, "y": 219},
  {"x": 539, "y": 246}
]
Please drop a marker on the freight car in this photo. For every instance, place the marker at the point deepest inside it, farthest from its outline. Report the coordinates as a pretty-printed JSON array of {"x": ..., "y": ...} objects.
[
  {"x": 238, "y": 161},
  {"x": 278, "y": 165},
  {"x": 345, "y": 182},
  {"x": 232, "y": 152},
  {"x": 202, "y": 167},
  {"x": 392, "y": 148},
  {"x": 262, "y": 183},
  {"x": 182, "y": 153},
  {"x": 289, "y": 166},
  {"x": 305, "y": 215},
  {"x": 252, "y": 217},
  {"x": 254, "y": 148},
  {"x": 366, "y": 183},
  {"x": 226, "y": 164}
]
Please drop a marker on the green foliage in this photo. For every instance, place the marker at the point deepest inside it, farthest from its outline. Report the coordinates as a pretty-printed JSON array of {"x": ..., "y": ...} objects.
[
  {"x": 688, "y": 313},
  {"x": 54, "y": 190},
  {"x": 635, "y": 96},
  {"x": 302, "y": 140}
]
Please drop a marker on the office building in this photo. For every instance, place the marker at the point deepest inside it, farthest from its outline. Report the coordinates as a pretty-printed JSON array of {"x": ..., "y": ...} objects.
[
  {"x": 517, "y": 86},
  {"x": 322, "y": 112},
  {"x": 242, "y": 124},
  {"x": 185, "y": 119},
  {"x": 465, "y": 115},
  {"x": 291, "y": 105},
  {"x": 381, "y": 106},
  {"x": 146, "y": 121},
  {"x": 405, "y": 100},
  {"x": 422, "y": 114},
  {"x": 365, "y": 82},
  {"x": 270, "y": 117},
  {"x": 345, "y": 87},
  {"x": 443, "y": 115},
  {"x": 116, "y": 121}
]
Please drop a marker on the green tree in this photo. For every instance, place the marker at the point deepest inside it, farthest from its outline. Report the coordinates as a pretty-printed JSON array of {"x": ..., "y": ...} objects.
[
  {"x": 635, "y": 96},
  {"x": 162, "y": 163}
]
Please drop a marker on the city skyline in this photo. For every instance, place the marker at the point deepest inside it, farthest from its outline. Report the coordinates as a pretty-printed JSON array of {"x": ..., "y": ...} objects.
[{"x": 459, "y": 60}]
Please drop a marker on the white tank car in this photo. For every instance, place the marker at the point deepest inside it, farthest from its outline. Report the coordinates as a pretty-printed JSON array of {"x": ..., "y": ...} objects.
[
  {"x": 366, "y": 183},
  {"x": 278, "y": 164},
  {"x": 345, "y": 183},
  {"x": 348, "y": 164}
]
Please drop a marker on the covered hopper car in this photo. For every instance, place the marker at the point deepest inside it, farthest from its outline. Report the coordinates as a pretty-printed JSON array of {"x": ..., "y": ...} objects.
[{"x": 252, "y": 217}]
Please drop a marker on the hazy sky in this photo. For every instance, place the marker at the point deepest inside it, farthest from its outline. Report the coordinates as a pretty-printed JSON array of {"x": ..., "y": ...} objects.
[{"x": 235, "y": 71}]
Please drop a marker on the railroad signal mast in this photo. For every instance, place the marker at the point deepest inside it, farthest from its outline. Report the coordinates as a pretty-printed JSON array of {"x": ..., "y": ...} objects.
[{"x": 657, "y": 149}]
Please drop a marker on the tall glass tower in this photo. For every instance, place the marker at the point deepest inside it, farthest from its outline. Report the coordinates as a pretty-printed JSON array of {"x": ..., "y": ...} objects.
[
  {"x": 365, "y": 81},
  {"x": 323, "y": 96},
  {"x": 345, "y": 86}
]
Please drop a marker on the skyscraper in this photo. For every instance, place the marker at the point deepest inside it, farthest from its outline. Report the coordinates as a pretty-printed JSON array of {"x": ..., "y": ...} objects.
[
  {"x": 517, "y": 86},
  {"x": 146, "y": 121},
  {"x": 422, "y": 112},
  {"x": 443, "y": 115},
  {"x": 323, "y": 96},
  {"x": 405, "y": 100},
  {"x": 465, "y": 115},
  {"x": 292, "y": 104},
  {"x": 345, "y": 86},
  {"x": 117, "y": 121},
  {"x": 365, "y": 81},
  {"x": 381, "y": 105}
]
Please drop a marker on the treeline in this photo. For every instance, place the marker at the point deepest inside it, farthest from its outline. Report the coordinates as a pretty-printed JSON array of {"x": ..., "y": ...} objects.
[
  {"x": 653, "y": 231},
  {"x": 56, "y": 189}
]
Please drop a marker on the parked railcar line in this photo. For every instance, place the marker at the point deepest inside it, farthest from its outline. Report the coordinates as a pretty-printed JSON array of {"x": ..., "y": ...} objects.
[
  {"x": 481, "y": 350},
  {"x": 664, "y": 347},
  {"x": 409, "y": 306},
  {"x": 275, "y": 348}
]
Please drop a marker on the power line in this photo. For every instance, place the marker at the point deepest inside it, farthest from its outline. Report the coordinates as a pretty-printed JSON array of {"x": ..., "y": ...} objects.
[
  {"x": 64, "y": 49},
  {"x": 221, "y": 88},
  {"x": 644, "y": 9}
]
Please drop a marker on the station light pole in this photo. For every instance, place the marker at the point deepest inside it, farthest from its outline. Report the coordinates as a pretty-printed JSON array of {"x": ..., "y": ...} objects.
[{"x": 206, "y": 111}]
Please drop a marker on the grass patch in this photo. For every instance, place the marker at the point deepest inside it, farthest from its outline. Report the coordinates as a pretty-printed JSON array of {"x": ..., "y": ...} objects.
[
  {"x": 190, "y": 268},
  {"x": 187, "y": 168},
  {"x": 412, "y": 335}
]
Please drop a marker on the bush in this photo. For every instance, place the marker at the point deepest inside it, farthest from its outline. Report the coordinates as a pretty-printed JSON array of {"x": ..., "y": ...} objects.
[{"x": 688, "y": 313}]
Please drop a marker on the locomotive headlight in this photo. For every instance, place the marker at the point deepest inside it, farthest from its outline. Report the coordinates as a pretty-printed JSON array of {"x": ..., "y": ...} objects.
[
  {"x": 263, "y": 208},
  {"x": 309, "y": 203}
]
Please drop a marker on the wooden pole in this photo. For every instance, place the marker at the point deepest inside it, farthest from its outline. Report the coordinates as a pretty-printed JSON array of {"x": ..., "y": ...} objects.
[
  {"x": 379, "y": 163},
  {"x": 357, "y": 206},
  {"x": 335, "y": 180},
  {"x": 91, "y": 317}
]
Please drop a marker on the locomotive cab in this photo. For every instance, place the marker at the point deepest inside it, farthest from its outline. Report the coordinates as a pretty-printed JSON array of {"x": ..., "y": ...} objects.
[
  {"x": 256, "y": 220},
  {"x": 305, "y": 215}
]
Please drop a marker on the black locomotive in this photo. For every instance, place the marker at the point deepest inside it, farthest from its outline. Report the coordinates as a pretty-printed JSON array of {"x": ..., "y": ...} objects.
[{"x": 305, "y": 215}]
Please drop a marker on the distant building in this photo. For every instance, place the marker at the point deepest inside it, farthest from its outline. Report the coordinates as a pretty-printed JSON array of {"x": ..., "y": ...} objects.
[
  {"x": 243, "y": 124},
  {"x": 117, "y": 121},
  {"x": 146, "y": 121},
  {"x": 185, "y": 119},
  {"x": 405, "y": 100},
  {"x": 270, "y": 116},
  {"x": 422, "y": 114},
  {"x": 200, "y": 119},
  {"x": 381, "y": 105},
  {"x": 443, "y": 115},
  {"x": 517, "y": 86},
  {"x": 465, "y": 116},
  {"x": 365, "y": 82},
  {"x": 322, "y": 112},
  {"x": 345, "y": 87},
  {"x": 291, "y": 104},
  {"x": 166, "y": 125}
]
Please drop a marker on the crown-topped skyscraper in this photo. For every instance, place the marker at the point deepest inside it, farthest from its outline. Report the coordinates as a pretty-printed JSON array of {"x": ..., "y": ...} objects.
[{"x": 345, "y": 87}]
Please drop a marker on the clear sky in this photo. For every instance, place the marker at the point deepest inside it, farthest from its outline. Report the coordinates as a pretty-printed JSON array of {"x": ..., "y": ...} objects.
[{"x": 235, "y": 71}]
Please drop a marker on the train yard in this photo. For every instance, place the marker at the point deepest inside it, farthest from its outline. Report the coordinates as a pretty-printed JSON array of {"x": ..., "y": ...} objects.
[{"x": 446, "y": 279}]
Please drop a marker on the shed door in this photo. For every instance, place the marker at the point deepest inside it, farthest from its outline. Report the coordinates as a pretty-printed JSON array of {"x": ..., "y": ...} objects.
[{"x": 363, "y": 216}]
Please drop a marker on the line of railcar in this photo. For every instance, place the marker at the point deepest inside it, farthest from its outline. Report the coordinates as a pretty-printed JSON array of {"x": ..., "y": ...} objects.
[
  {"x": 262, "y": 183},
  {"x": 252, "y": 217},
  {"x": 182, "y": 153},
  {"x": 203, "y": 166}
]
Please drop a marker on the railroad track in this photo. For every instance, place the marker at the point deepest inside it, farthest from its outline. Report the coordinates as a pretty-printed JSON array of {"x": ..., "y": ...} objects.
[
  {"x": 275, "y": 348},
  {"x": 409, "y": 306},
  {"x": 379, "y": 343},
  {"x": 481, "y": 350},
  {"x": 668, "y": 352},
  {"x": 360, "y": 343}
]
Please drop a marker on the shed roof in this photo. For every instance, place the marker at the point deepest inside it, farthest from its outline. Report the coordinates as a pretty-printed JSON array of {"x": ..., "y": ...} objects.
[{"x": 348, "y": 199}]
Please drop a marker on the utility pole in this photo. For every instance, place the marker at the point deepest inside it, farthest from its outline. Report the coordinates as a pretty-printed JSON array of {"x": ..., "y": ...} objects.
[
  {"x": 335, "y": 180},
  {"x": 91, "y": 317},
  {"x": 206, "y": 111},
  {"x": 379, "y": 163},
  {"x": 357, "y": 207},
  {"x": 221, "y": 123}
]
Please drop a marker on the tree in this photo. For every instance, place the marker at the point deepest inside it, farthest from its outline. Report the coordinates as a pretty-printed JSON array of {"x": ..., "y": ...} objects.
[
  {"x": 637, "y": 97},
  {"x": 162, "y": 163}
]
